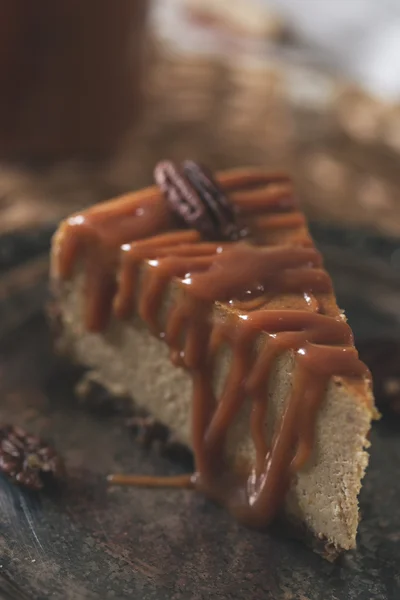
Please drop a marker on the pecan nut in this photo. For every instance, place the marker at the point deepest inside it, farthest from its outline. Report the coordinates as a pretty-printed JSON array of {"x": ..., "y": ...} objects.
[
  {"x": 197, "y": 200},
  {"x": 26, "y": 459}
]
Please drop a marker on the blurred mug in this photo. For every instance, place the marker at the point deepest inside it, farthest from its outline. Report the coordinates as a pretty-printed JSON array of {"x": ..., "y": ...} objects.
[{"x": 69, "y": 75}]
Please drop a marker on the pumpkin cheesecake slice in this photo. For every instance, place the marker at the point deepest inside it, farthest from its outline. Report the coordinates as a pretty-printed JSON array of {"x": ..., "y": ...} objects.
[{"x": 205, "y": 300}]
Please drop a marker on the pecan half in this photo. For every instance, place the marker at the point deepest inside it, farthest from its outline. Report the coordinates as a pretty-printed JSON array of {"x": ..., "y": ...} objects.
[
  {"x": 197, "y": 199},
  {"x": 26, "y": 459}
]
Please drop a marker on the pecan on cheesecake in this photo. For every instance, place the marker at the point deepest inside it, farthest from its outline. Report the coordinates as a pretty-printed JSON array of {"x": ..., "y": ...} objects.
[{"x": 206, "y": 301}]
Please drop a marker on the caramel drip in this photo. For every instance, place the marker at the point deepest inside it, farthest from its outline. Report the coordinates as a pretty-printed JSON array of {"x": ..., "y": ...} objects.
[
  {"x": 96, "y": 238},
  {"x": 285, "y": 221},
  {"x": 244, "y": 278},
  {"x": 132, "y": 256},
  {"x": 248, "y": 269},
  {"x": 279, "y": 197},
  {"x": 251, "y": 304},
  {"x": 323, "y": 347},
  {"x": 249, "y": 179}
]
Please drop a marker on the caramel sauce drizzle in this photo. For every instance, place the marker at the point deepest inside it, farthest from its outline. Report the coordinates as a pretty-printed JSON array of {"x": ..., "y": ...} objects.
[{"x": 114, "y": 240}]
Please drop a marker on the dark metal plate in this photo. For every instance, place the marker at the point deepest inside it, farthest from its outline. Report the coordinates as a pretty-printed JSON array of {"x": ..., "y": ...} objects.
[{"x": 87, "y": 541}]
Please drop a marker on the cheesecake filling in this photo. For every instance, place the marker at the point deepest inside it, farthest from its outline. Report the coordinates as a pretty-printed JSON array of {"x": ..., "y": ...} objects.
[{"x": 247, "y": 270}]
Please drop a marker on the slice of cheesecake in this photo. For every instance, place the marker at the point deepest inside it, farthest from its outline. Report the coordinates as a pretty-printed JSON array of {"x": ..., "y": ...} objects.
[{"x": 207, "y": 303}]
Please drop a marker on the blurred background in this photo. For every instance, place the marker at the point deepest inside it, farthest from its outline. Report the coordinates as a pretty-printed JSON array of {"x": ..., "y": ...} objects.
[{"x": 94, "y": 92}]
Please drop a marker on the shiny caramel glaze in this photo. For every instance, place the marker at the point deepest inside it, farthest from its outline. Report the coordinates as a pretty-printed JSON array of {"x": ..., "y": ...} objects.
[{"x": 273, "y": 282}]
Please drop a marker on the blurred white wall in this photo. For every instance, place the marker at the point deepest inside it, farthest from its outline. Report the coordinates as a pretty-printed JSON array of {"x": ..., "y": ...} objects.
[{"x": 360, "y": 37}]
